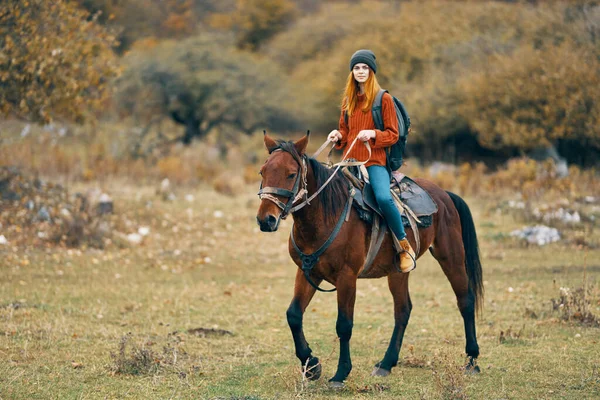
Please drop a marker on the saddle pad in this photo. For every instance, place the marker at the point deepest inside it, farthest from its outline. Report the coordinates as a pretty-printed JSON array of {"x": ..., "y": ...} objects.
[
  {"x": 415, "y": 197},
  {"x": 424, "y": 221}
]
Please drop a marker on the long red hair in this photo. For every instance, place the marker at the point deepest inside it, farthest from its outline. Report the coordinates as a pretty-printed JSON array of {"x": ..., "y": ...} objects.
[{"x": 350, "y": 96}]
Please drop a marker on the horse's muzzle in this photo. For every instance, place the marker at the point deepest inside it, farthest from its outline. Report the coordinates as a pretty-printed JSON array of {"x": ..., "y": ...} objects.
[{"x": 269, "y": 224}]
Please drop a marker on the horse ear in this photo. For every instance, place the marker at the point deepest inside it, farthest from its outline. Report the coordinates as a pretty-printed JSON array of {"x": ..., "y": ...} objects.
[
  {"x": 270, "y": 144},
  {"x": 301, "y": 144}
]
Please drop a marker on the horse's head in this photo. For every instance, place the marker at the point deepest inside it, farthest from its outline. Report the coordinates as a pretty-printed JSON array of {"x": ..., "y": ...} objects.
[{"x": 282, "y": 179}]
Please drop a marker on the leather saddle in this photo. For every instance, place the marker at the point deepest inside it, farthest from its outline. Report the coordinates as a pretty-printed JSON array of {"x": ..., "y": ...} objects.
[
  {"x": 415, "y": 200},
  {"x": 415, "y": 205}
]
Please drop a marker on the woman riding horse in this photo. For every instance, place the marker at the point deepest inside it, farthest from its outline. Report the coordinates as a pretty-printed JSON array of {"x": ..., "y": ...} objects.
[
  {"x": 330, "y": 242},
  {"x": 356, "y": 121}
]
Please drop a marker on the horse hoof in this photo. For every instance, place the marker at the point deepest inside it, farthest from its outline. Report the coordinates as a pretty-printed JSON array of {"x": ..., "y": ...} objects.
[
  {"x": 336, "y": 385},
  {"x": 472, "y": 370},
  {"x": 312, "y": 370},
  {"x": 377, "y": 371}
]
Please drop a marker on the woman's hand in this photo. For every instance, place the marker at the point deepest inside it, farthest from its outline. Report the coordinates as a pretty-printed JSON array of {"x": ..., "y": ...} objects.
[
  {"x": 366, "y": 134},
  {"x": 334, "y": 136}
]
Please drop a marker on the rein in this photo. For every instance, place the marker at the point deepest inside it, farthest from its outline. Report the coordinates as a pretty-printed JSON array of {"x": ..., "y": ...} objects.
[
  {"x": 343, "y": 163},
  {"x": 310, "y": 260},
  {"x": 298, "y": 192}
]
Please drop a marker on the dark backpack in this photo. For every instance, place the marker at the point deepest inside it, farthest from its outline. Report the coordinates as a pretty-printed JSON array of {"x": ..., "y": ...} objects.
[{"x": 395, "y": 152}]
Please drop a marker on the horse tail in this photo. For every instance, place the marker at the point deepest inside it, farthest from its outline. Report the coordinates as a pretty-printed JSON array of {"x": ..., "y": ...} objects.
[{"x": 472, "y": 260}]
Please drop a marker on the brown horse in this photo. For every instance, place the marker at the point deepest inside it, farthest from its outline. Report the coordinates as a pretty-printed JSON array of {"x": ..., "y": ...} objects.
[{"x": 451, "y": 239}]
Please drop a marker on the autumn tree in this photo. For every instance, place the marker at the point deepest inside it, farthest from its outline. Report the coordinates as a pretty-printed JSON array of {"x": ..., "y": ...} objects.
[
  {"x": 133, "y": 20},
  {"x": 316, "y": 50},
  {"x": 444, "y": 57},
  {"x": 256, "y": 21},
  {"x": 55, "y": 61},
  {"x": 535, "y": 97},
  {"x": 203, "y": 83}
]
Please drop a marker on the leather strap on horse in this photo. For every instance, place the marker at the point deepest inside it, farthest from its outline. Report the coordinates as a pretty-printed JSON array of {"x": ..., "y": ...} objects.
[
  {"x": 377, "y": 236},
  {"x": 412, "y": 220},
  {"x": 310, "y": 260},
  {"x": 342, "y": 163},
  {"x": 300, "y": 185},
  {"x": 293, "y": 195},
  {"x": 316, "y": 154}
]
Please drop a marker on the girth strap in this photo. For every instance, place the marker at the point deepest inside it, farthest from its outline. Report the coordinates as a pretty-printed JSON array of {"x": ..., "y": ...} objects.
[{"x": 310, "y": 260}]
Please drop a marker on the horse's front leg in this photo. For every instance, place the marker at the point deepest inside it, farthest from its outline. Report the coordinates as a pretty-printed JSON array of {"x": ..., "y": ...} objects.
[
  {"x": 303, "y": 294},
  {"x": 346, "y": 295},
  {"x": 398, "y": 284}
]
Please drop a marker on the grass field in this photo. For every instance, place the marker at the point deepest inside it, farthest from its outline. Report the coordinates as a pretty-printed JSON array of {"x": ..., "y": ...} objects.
[{"x": 87, "y": 324}]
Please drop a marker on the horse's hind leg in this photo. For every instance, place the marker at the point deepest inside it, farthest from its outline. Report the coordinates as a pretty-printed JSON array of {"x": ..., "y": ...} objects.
[
  {"x": 303, "y": 294},
  {"x": 452, "y": 261},
  {"x": 398, "y": 284}
]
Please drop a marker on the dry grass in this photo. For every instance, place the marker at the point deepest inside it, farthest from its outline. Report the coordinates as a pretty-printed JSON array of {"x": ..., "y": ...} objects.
[
  {"x": 449, "y": 377},
  {"x": 102, "y": 152},
  {"x": 145, "y": 359},
  {"x": 575, "y": 305},
  {"x": 197, "y": 310},
  {"x": 521, "y": 179},
  {"x": 63, "y": 312}
]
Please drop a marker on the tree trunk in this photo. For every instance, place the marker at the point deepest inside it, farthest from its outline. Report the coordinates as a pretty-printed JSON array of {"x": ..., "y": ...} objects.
[{"x": 192, "y": 128}]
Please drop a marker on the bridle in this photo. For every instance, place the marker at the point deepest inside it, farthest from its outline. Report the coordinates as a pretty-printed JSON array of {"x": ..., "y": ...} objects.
[
  {"x": 293, "y": 195},
  {"x": 298, "y": 192},
  {"x": 309, "y": 260}
]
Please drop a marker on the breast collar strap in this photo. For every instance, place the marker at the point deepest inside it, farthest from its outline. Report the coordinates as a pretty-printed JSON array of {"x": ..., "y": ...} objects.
[{"x": 310, "y": 260}]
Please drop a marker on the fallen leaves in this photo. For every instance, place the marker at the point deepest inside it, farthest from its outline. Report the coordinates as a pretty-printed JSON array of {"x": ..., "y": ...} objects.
[
  {"x": 204, "y": 332},
  {"x": 376, "y": 388},
  {"x": 76, "y": 365}
]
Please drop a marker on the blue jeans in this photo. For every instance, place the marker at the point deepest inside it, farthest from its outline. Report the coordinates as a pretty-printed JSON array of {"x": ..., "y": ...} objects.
[{"x": 380, "y": 182}]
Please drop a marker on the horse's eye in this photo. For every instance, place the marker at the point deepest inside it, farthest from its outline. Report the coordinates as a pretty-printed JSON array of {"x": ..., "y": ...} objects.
[
  {"x": 260, "y": 173},
  {"x": 290, "y": 176}
]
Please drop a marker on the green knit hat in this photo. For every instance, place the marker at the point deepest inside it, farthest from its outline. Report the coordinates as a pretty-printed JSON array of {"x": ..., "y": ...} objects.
[{"x": 364, "y": 56}]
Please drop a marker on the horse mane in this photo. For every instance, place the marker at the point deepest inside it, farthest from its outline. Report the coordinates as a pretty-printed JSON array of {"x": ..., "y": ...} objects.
[{"x": 334, "y": 196}]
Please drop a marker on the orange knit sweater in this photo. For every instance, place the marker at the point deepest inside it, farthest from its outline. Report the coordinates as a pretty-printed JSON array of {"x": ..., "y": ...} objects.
[{"x": 361, "y": 120}]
